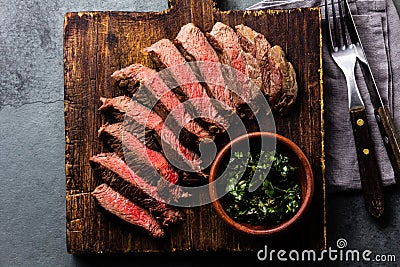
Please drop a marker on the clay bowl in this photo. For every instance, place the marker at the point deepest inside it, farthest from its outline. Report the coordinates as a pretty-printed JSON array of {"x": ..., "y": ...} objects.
[{"x": 297, "y": 159}]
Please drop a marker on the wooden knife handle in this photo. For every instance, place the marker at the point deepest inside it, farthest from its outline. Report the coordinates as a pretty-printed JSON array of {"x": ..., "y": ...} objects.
[
  {"x": 390, "y": 138},
  {"x": 367, "y": 163}
]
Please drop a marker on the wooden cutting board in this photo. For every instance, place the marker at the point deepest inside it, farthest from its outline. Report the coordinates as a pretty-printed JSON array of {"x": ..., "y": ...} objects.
[{"x": 98, "y": 43}]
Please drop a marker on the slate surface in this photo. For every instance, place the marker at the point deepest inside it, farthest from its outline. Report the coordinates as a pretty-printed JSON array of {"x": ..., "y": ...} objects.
[{"x": 32, "y": 185}]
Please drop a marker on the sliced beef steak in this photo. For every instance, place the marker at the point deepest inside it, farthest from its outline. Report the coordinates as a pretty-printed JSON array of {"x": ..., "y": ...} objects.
[
  {"x": 226, "y": 42},
  {"x": 117, "y": 174},
  {"x": 144, "y": 161},
  {"x": 140, "y": 117},
  {"x": 278, "y": 62},
  {"x": 164, "y": 52},
  {"x": 256, "y": 45},
  {"x": 120, "y": 206},
  {"x": 123, "y": 80},
  {"x": 118, "y": 106},
  {"x": 121, "y": 102},
  {"x": 195, "y": 47},
  {"x": 278, "y": 81},
  {"x": 155, "y": 84}
]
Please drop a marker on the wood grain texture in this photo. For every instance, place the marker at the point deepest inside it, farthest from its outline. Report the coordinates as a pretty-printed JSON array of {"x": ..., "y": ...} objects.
[
  {"x": 370, "y": 174},
  {"x": 98, "y": 43}
]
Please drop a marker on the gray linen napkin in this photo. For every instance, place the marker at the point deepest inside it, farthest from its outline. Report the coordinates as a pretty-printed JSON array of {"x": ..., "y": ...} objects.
[{"x": 378, "y": 24}]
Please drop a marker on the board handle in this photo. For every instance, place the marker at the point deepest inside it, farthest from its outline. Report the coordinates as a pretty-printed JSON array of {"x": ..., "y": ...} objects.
[{"x": 178, "y": 3}]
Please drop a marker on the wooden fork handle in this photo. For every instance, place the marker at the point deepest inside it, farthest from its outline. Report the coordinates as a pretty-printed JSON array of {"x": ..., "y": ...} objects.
[
  {"x": 367, "y": 163},
  {"x": 390, "y": 137}
]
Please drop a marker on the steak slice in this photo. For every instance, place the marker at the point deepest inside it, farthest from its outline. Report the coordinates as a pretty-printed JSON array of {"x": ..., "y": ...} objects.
[
  {"x": 114, "y": 171},
  {"x": 226, "y": 42},
  {"x": 123, "y": 80},
  {"x": 118, "y": 106},
  {"x": 195, "y": 47},
  {"x": 256, "y": 45},
  {"x": 144, "y": 161},
  {"x": 140, "y": 117},
  {"x": 120, "y": 206},
  {"x": 165, "y": 53},
  {"x": 278, "y": 78},
  {"x": 153, "y": 82},
  {"x": 288, "y": 94}
]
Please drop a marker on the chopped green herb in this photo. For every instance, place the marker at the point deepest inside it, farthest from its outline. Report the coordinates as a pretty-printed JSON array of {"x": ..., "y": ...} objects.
[{"x": 276, "y": 200}]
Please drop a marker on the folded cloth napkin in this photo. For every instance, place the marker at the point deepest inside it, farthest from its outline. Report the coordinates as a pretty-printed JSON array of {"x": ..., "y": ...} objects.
[{"x": 378, "y": 25}]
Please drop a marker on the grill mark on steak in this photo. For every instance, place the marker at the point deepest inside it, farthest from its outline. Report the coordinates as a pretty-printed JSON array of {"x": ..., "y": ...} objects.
[
  {"x": 116, "y": 173},
  {"x": 153, "y": 82},
  {"x": 120, "y": 206},
  {"x": 140, "y": 116},
  {"x": 164, "y": 52},
  {"x": 194, "y": 45},
  {"x": 144, "y": 161},
  {"x": 278, "y": 81}
]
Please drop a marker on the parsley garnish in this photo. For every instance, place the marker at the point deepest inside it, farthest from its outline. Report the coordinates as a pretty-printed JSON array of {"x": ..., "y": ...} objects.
[{"x": 276, "y": 200}]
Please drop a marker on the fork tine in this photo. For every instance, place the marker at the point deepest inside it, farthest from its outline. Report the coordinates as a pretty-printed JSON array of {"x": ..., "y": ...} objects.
[
  {"x": 328, "y": 27},
  {"x": 337, "y": 42},
  {"x": 343, "y": 26}
]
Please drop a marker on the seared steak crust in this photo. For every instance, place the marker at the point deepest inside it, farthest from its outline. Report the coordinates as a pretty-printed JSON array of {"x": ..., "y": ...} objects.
[{"x": 288, "y": 93}]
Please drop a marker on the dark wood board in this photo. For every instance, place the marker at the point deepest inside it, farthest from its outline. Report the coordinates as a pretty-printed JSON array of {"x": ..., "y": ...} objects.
[{"x": 98, "y": 43}]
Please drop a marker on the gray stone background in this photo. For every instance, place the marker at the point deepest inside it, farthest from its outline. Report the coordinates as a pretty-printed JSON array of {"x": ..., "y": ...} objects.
[{"x": 32, "y": 184}]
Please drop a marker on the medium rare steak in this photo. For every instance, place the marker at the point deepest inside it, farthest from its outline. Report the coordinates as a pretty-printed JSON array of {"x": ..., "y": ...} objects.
[
  {"x": 154, "y": 83},
  {"x": 257, "y": 46},
  {"x": 226, "y": 42},
  {"x": 278, "y": 81},
  {"x": 195, "y": 47},
  {"x": 140, "y": 116},
  {"x": 117, "y": 174},
  {"x": 144, "y": 161},
  {"x": 123, "y": 80},
  {"x": 164, "y": 52},
  {"x": 120, "y": 206},
  {"x": 118, "y": 106}
]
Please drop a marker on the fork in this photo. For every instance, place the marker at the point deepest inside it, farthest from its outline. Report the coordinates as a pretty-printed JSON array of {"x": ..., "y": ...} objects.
[{"x": 344, "y": 53}]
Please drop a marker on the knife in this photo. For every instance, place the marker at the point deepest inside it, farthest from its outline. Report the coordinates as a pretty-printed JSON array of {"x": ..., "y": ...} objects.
[{"x": 382, "y": 114}]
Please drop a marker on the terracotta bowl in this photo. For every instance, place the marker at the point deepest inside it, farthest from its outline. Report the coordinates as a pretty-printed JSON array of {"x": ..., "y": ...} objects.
[{"x": 303, "y": 174}]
